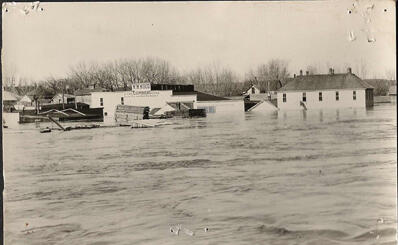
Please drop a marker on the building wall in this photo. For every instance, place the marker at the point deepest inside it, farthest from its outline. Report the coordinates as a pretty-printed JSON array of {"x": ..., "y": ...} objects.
[
  {"x": 152, "y": 99},
  {"x": 293, "y": 99},
  {"x": 83, "y": 99},
  {"x": 57, "y": 99},
  {"x": 221, "y": 106}
]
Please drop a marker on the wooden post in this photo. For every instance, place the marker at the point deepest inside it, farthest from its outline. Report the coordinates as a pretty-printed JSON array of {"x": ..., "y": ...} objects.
[
  {"x": 63, "y": 95},
  {"x": 57, "y": 123}
]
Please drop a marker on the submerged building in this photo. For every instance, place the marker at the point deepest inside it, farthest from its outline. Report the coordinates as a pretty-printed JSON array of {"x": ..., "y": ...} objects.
[
  {"x": 321, "y": 91},
  {"x": 162, "y": 98}
]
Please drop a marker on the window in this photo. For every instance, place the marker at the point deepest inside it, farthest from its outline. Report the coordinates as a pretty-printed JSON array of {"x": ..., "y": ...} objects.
[
  {"x": 320, "y": 96},
  {"x": 304, "y": 97},
  {"x": 354, "y": 95},
  {"x": 253, "y": 90},
  {"x": 122, "y": 100},
  {"x": 284, "y": 97},
  {"x": 105, "y": 113},
  {"x": 337, "y": 95},
  {"x": 101, "y": 101}
]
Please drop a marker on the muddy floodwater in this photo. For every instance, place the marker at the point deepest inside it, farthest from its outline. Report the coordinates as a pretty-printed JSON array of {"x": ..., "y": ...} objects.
[{"x": 320, "y": 177}]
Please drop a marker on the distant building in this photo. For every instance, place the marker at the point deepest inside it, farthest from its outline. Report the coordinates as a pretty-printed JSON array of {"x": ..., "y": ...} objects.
[
  {"x": 9, "y": 100},
  {"x": 26, "y": 100},
  {"x": 325, "y": 91},
  {"x": 252, "y": 90},
  {"x": 84, "y": 95},
  {"x": 63, "y": 98},
  {"x": 161, "y": 98}
]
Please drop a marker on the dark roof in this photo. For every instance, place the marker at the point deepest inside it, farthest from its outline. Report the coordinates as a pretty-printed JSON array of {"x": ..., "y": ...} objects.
[
  {"x": 88, "y": 91},
  {"x": 325, "y": 81},
  {"x": 201, "y": 96},
  {"x": 174, "y": 87}
]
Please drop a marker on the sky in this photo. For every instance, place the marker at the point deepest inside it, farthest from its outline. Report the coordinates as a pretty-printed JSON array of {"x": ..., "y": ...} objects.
[{"x": 235, "y": 35}]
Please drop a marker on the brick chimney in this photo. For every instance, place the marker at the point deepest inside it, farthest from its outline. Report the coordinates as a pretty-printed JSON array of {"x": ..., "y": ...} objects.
[
  {"x": 349, "y": 71},
  {"x": 301, "y": 72}
]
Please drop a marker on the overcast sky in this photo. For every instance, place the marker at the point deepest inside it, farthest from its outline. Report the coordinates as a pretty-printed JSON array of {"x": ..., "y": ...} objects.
[{"x": 237, "y": 35}]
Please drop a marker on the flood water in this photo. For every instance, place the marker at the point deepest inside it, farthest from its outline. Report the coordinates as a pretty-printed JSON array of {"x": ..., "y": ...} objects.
[{"x": 287, "y": 178}]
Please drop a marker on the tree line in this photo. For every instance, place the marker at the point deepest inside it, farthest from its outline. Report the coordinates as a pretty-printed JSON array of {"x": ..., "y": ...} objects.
[{"x": 118, "y": 75}]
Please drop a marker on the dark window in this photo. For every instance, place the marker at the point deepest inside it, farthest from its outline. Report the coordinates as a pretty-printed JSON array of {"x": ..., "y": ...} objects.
[
  {"x": 304, "y": 97},
  {"x": 320, "y": 96},
  {"x": 354, "y": 95},
  {"x": 284, "y": 97},
  {"x": 122, "y": 100},
  {"x": 101, "y": 102},
  {"x": 337, "y": 95},
  {"x": 105, "y": 113},
  {"x": 253, "y": 90}
]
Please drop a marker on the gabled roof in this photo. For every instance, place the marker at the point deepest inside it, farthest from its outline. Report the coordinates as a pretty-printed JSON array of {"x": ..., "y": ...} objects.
[
  {"x": 262, "y": 85},
  {"x": 8, "y": 96},
  {"x": 325, "y": 82}
]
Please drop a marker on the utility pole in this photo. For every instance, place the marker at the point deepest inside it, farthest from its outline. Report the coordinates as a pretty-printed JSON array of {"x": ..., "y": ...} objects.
[{"x": 63, "y": 94}]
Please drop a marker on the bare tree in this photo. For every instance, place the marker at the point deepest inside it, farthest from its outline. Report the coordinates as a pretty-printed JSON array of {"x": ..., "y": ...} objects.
[{"x": 390, "y": 75}]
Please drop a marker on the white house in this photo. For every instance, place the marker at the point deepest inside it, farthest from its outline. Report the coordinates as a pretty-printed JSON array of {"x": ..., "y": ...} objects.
[
  {"x": 26, "y": 100},
  {"x": 252, "y": 90},
  {"x": 325, "y": 91}
]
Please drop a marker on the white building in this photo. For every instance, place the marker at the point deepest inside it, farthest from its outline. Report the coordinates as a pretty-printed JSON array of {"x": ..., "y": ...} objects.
[
  {"x": 63, "y": 98},
  {"x": 252, "y": 90},
  {"x": 84, "y": 95},
  {"x": 162, "y": 98},
  {"x": 325, "y": 91}
]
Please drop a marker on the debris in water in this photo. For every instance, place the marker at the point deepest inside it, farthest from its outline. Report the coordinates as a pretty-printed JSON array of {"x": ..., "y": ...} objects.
[
  {"x": 188, "y": 232},
  {"x": 371, "y": 39},
  {"x": 351, "y": 36},
  {"x": 206, "y": 229},
  {"x": 175, "y": 229}
]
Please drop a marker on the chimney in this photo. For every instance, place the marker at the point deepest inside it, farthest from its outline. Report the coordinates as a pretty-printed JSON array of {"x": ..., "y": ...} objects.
[
  {"x": 301, "y": 72},
  {"x": 349, "y": 71},
  {"x": 307, "y": 73},
  {"x": 294, "y": 75},
  {"x": 331, "y": 71}
]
